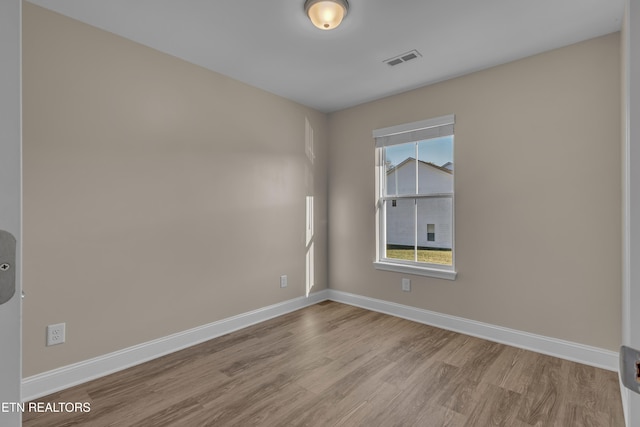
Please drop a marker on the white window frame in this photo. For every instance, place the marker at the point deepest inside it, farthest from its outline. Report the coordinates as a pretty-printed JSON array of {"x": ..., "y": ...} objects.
[{"x": 409, "y": 132}]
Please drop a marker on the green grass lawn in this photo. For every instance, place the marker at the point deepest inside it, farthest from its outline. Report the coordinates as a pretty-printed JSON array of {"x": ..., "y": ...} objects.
[{"x": 424, "y": 255}]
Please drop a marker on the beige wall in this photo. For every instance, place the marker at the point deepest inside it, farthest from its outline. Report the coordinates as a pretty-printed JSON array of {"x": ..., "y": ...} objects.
[
  {"x": 158, "y": 196},
  {"x": 538, "y": 204}
]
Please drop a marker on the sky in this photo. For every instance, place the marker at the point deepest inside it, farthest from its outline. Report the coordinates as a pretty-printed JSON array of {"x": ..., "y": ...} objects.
[{"x": 437, "y": 151}]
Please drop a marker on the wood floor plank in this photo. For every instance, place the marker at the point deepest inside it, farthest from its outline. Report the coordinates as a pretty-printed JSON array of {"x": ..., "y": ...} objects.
[
  {"x": 342, "y": 397},
  {"x": 274, "y": 409},
  {"x": 419, "y": 392},
  {"x": 513, "y": 369},
  {"x": 543, "y": 398},
  {"x": 371, "y": 411},
  {"x": 496, "y": 407},
  {"x": 336, "y": 365},
  {"x": 608, "y": 396}
]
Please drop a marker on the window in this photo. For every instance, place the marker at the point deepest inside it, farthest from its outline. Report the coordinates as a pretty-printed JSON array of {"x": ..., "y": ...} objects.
[
  {"x": 431, "y": 232},
  {"x": 415, "y": 207}
]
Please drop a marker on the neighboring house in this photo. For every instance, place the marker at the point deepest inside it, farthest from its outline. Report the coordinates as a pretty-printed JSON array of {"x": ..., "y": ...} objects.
[{"x": 434, "y": 213}]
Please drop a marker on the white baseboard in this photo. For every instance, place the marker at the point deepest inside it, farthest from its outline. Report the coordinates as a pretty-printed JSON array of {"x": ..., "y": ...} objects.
[
  {"x": 68, "y": 376},
  {"x": 580, "y": 353}
]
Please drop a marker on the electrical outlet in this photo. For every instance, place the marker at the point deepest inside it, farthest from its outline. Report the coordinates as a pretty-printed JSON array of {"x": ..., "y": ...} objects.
[
  {"x": 283, "y": 281},
  {"x": 406, "y": 285},
  {"x": 55, "y": 334}
]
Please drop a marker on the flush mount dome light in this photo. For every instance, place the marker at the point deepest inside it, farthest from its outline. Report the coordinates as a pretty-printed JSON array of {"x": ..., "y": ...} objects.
[{"x": 326, "y": 14}]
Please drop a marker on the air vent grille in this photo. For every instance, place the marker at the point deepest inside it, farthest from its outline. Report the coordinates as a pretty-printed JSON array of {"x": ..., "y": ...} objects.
[{"x": 405, "y": 57}]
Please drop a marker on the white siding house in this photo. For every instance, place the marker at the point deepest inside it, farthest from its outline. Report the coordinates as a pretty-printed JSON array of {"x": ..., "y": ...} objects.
[{"x": 434, "y": 213}]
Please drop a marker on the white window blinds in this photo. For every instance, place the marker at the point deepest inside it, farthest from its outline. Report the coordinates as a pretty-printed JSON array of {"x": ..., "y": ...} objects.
[{"x": 416, "y": 131}]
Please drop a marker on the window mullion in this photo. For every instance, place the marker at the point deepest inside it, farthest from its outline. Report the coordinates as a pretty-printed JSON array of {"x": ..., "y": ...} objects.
[
  {"x": 415, "y": 209},
  {"x": 418, "y": 196},
  {"x": 417, "y": 180},
  {"x": 415, "y": 230},
  {"x": 383, "y": 228}
]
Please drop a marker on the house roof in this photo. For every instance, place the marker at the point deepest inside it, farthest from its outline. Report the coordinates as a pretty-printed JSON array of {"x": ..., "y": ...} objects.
[{"x": 412, "y": 159}]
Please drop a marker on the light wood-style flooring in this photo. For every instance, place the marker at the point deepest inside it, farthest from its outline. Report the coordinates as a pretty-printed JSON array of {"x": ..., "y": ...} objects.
[{"x": 336, "y": 365}]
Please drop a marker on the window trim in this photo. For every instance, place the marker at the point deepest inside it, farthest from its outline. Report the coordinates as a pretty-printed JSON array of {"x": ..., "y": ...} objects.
[
  {"x": 401, "y": 134},
  {"x": 415, "y": 270}
]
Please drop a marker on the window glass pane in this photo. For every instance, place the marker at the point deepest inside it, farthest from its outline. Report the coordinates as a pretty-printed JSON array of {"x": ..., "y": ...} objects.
[
  {"x": 435, "y": 166},
  {"x": 401, "y": 229},
  {"x": 431, "y": 232},
  {"x": 434, "y": 230},
  {"x": 400, "y": 169}
]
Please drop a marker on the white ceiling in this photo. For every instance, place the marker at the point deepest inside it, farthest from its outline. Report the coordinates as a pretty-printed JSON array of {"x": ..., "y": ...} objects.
[{"x": 271, "y": 44}]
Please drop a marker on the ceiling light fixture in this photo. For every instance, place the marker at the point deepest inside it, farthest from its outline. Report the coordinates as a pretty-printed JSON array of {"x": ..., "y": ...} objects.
[{"x": 326, "y": 14}]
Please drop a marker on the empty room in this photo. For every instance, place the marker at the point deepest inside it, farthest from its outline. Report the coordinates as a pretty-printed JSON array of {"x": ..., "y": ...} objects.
[{"x": 320, "y": 213}]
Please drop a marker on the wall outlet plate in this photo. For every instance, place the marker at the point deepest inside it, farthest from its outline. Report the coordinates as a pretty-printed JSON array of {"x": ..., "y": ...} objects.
[
  {"x": 55, "y": 334},
  {"x": 406, "y": 285},
  {"x": 630, "y": 368},
  {"x": 283, "y": 281}
]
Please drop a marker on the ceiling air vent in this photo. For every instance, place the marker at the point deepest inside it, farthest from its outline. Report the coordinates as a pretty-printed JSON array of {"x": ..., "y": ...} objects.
[{"x": 405, "y": 57}]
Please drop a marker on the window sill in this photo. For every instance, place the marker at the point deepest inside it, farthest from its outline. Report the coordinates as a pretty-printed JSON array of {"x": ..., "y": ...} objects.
[{"x": 419, "y": 271}]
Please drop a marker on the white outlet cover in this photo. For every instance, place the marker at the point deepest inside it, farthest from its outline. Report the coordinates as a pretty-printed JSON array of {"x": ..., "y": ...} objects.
[
  {"x": 283, "y": 281},
  {"x": 55, "y": 334},
  {"x": 406, "y": 285}
]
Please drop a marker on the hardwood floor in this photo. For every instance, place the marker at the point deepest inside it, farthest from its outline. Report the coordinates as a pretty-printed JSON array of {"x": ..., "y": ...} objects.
[{"x": 336, "y": 365}]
